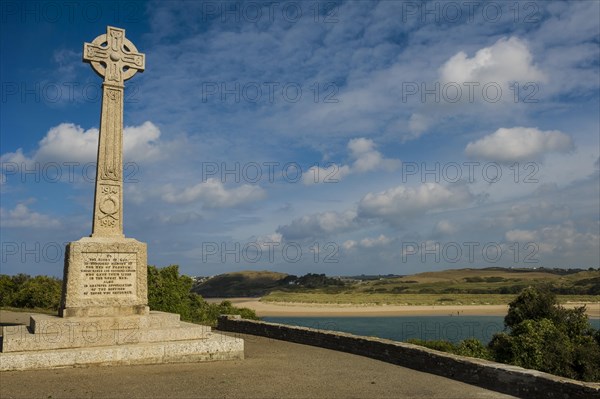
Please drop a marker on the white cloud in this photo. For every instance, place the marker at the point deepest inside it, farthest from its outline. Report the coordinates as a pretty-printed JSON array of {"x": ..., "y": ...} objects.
[
  {"x": 332, "y": 173},
  {"x": 141, "y": 142},
  {"x": 213, "y": 194},
  {"x": 445, "y": 227},
  {"x": 14, "y": 157},
  {"x": 367, "y": 242},
  {"x": 563, "y": 241},
  {"x": 349, "y": 244},
  {"x": 505, "y": 61},
  {"x": 519, "y": 144},
  {"x": 68, "y": 142},
  {"x": 22, "y": 216},
  {"x": 522, "y": 236},
  {"x": 530, "y": 212},
  {"x": 417, "y": 124},
  {"x": 267, "y": 241},
  {"x": 319, "y": 225},
  {"x": 366, "y": 159},
  {"x": 403, "y": 202}
]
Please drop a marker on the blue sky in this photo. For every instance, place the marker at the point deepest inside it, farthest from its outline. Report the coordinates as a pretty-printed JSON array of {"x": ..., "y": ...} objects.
[{"x": 331, "y": 137}]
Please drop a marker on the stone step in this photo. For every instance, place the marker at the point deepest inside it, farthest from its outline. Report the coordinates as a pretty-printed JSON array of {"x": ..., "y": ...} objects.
[
  {"x": 20, "y": 338},
  {"x": 213, "y": 347},
  {"x": 48, "y": 324}
]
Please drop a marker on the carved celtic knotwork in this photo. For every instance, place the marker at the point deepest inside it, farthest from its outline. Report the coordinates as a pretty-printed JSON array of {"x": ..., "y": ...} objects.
[
  {"x": 110, "y": 166},
  {"x": 113, "y": 56}
]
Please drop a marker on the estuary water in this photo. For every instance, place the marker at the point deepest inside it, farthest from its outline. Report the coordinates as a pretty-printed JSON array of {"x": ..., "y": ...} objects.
[{"x": 402, "y": 328}]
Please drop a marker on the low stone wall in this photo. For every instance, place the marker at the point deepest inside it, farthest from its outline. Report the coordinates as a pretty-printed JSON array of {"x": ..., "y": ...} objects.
[{"x": 499, "y": 377}]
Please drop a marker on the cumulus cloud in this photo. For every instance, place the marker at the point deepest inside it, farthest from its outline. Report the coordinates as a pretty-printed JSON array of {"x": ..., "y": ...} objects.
[
  {"x": 332, "y": 173},
  {"x": 140, "y": 142},
  {"x": 417, "y": 124},
  {"x": 563, "y": 240},
  {"x": 367, "y": 242},
  {"x": 400, "y": 203},
  {"x": 319, "y": 225},
  {"x": 505, "y": 61},
  {"x": 213, "y": 194},
  {"x": 445, "y": 227},
  {"x": 521, "y": 235},
  {"x": 519, "y": 144},
  {"x": 68, "y": 142},
  {"x": 366, "y": 159},
  {"x": 530, "y": 212},
  {"x": 22, "y": 216}
]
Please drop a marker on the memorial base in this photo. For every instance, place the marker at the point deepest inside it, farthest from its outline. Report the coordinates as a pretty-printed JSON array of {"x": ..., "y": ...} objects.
[
  {"x": 53, "y": 341},
  {"x": 104, "y": 318},
  {"x": 105, "y": 276}
]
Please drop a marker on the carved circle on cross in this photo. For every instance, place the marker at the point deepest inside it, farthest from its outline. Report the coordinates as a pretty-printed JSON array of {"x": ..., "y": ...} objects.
[
  {"x": 115, "y": 56},
  {"x": 109, "y": 206}
]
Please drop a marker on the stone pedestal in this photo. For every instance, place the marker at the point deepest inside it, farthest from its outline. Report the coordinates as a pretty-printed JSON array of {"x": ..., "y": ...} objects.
[
  {"x": 105, "y": 277},
  {"x": 104, "y": 318}
]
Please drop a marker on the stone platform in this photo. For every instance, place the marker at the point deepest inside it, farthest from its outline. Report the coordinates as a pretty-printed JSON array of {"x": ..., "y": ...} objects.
[{"x": 158, "y": 337}]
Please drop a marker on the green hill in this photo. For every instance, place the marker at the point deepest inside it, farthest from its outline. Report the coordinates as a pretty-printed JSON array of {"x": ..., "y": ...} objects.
[
  {"x": 255, "y": 284},
  {"x": 241, "y": 284},
  {"x": 494, "y": 280},
  {"x": 459, "y": 286}
]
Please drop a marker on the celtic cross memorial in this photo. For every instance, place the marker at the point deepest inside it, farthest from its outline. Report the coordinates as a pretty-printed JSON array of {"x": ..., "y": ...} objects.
[
  {"x": 104, "y": 317},
  {"x": 105, "y": 274}
]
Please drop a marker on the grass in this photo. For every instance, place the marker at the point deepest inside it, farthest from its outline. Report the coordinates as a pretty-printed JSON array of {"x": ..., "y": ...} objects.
[{"x": 361, "y": 298}]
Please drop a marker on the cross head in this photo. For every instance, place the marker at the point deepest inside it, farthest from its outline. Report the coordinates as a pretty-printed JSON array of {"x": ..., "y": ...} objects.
[{"x": 113, "y": 56}]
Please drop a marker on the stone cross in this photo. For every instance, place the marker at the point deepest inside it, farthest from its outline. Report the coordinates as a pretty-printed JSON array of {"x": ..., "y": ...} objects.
[{"x": 115, "y": 59}]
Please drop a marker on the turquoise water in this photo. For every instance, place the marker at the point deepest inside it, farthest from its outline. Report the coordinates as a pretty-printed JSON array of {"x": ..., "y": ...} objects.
[{"x": 451, "y": 328}]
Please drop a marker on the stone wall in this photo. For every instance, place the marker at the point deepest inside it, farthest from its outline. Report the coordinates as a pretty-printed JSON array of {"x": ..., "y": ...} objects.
[{"x": 504, "y": 378}]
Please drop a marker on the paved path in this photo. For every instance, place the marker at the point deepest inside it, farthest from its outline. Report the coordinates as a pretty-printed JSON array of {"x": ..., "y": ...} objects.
[{"x": 272, "y": 369}]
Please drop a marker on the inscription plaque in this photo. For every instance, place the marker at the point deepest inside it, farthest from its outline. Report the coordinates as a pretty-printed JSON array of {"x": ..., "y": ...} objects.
[{"x": 111, "y": 274}]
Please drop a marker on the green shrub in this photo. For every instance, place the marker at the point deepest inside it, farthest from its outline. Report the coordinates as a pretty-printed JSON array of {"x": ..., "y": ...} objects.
[
  {"x": 7, "y": 290},
  {"x": 471, "y": 347},
  {"x": 474, "y": 348},
  {"x": 547, "y": 337},
  {"x": 531, "y": 304},
  {"x": 438, "y": 345},
  {"x": 540, "y": 345},
  {"x": 38, "y": 292},
  {"x": 170, "y": 292}
]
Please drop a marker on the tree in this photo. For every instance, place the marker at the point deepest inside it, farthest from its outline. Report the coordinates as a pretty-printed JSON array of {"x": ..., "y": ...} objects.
[
  {"x": 547, "y": 337},
  {"x": 7, "y": 289},
  {"x": 170, "y": 292},
  {"x": 38, "y": 292},
  {"x": 474, "y": 348},
  {"x": 531, "y": 304}
]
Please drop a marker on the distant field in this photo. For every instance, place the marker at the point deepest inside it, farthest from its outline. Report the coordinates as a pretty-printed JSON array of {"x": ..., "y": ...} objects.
[
  {"x": 358, "y": 298},
  {"x": 455, "y": 286}
]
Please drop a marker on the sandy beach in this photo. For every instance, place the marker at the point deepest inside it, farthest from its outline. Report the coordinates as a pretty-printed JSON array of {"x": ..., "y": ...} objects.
[{"x": 266, "y": 309}]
